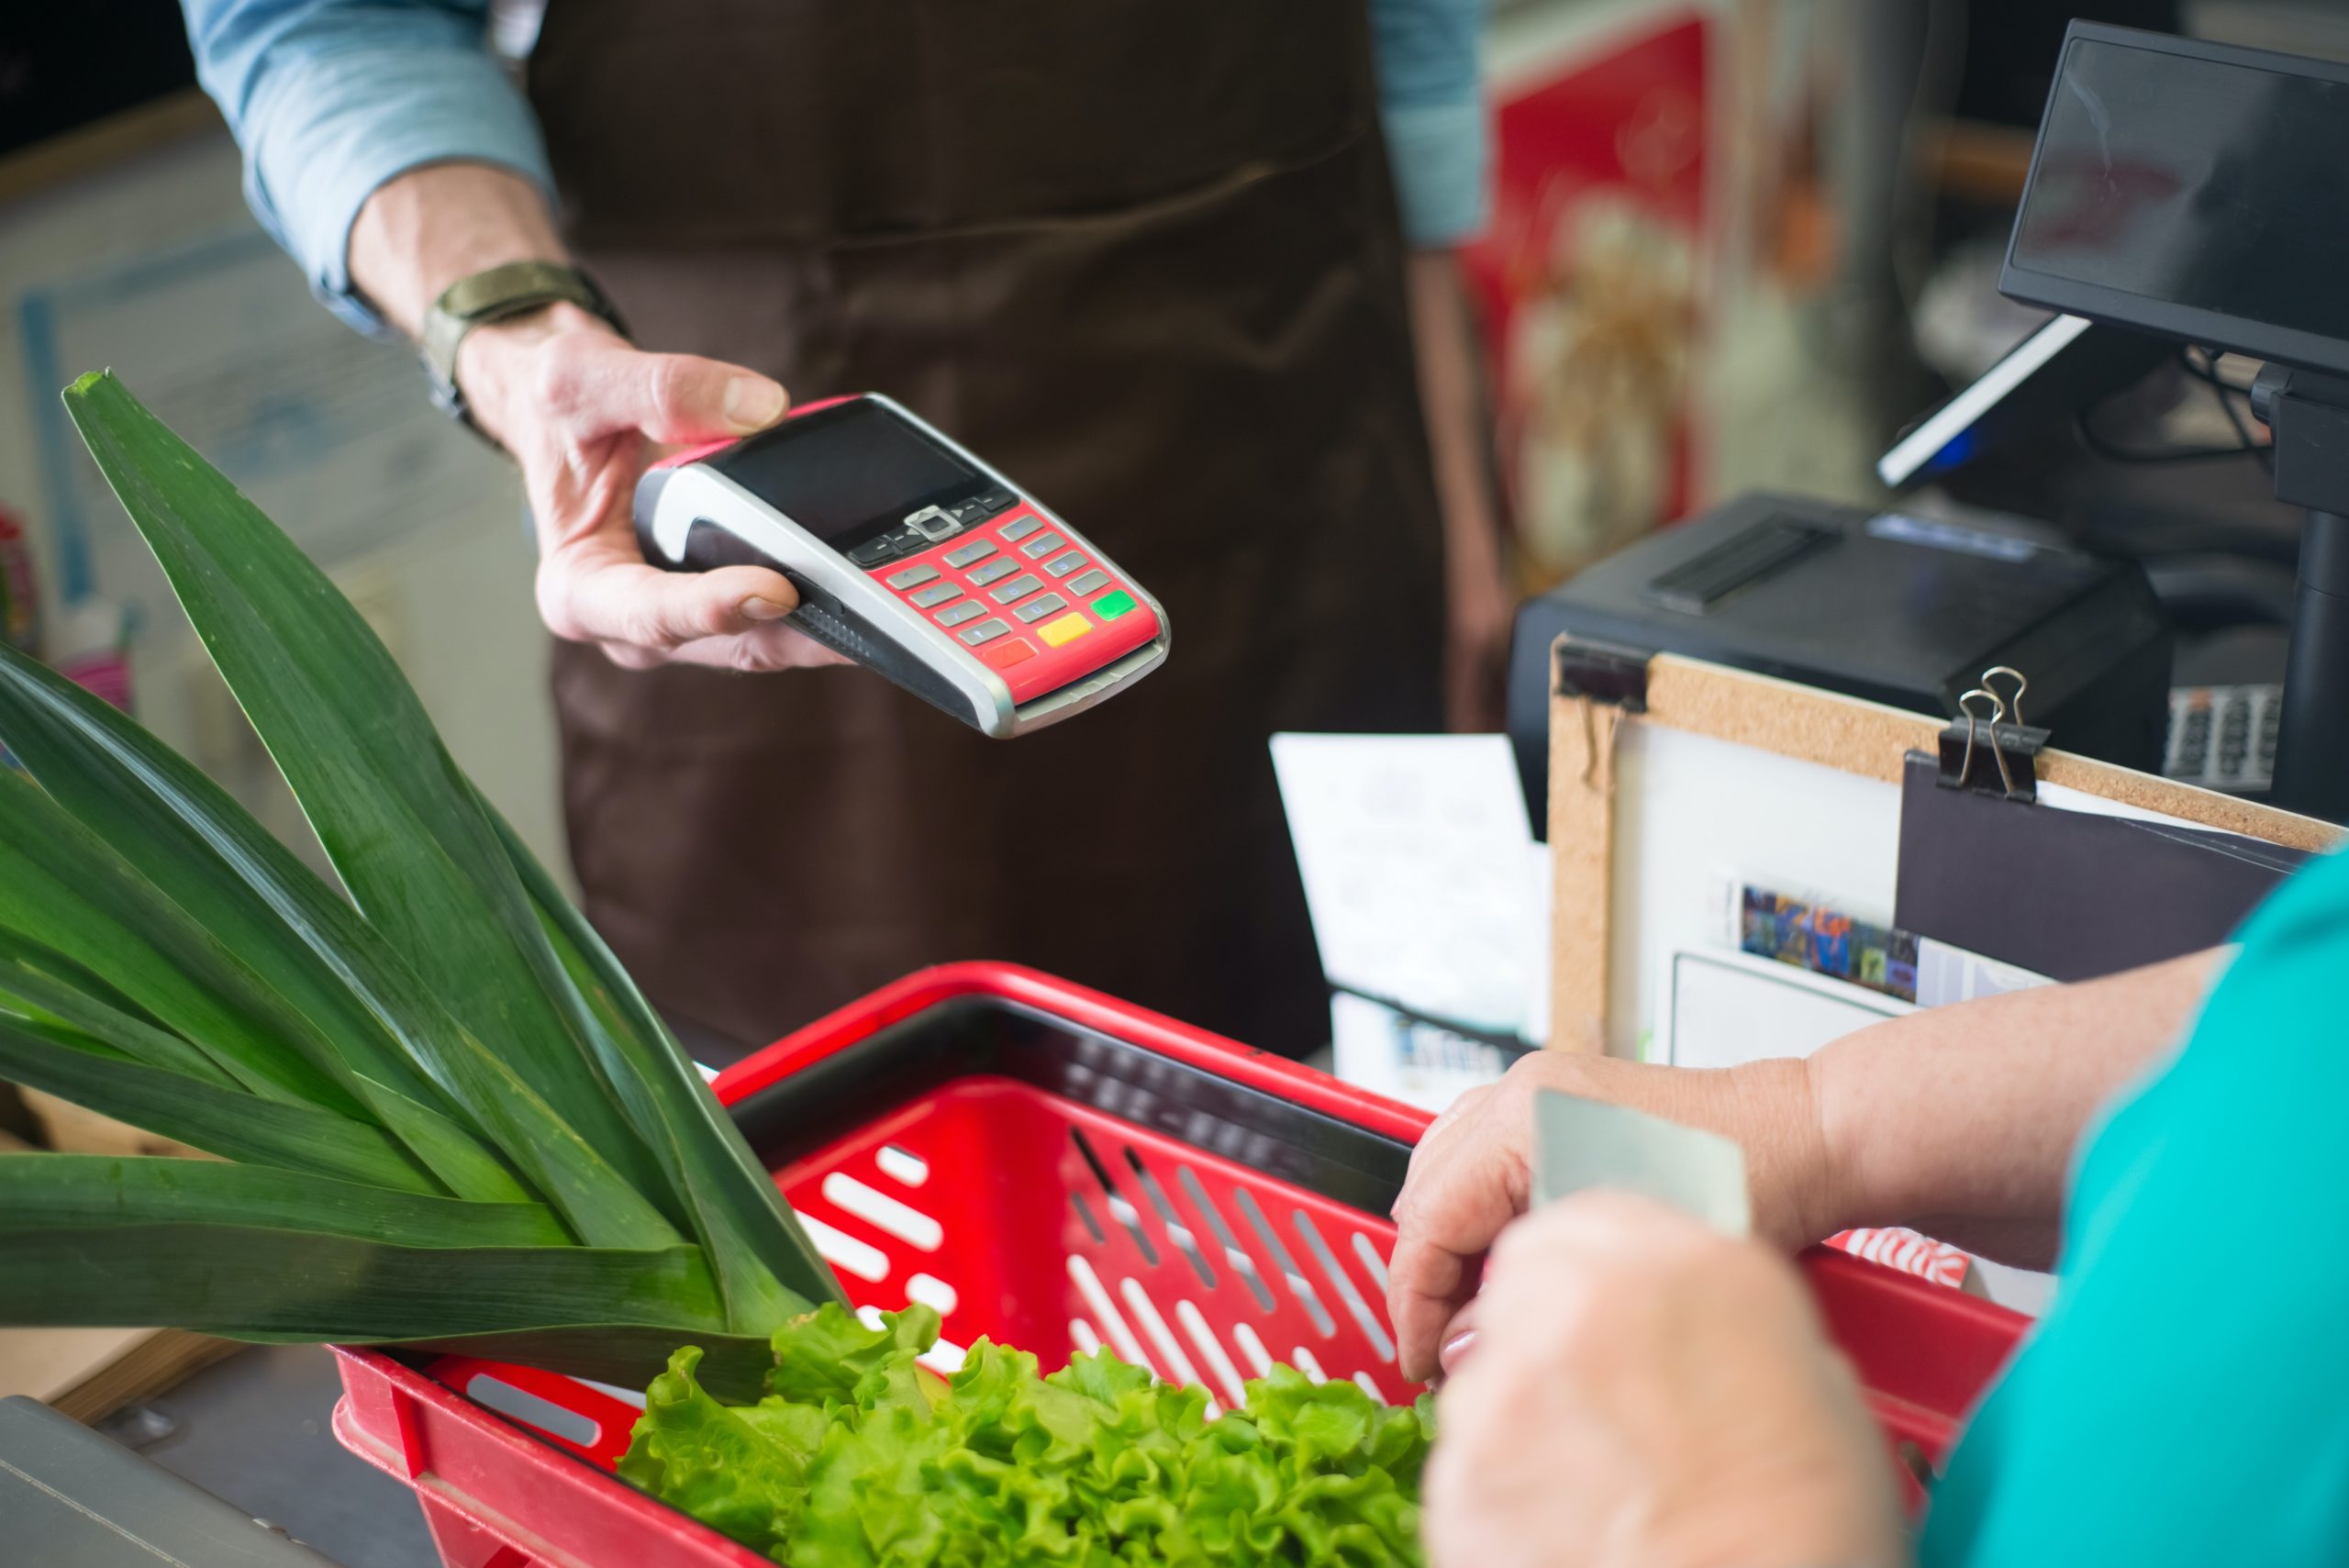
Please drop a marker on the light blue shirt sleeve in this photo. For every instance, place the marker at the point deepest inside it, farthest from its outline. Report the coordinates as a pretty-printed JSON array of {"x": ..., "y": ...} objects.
[
  {"x": 1432, "y": 100},
  {"x": 331, "y": 98}
]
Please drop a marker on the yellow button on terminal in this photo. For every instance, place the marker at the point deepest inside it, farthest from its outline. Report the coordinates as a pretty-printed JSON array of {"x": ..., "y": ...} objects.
[{"x": 1069, "y": 628}]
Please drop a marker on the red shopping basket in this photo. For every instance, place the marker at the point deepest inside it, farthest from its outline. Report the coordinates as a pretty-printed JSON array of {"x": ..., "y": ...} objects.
[{"x": 1056, "y": 1171}]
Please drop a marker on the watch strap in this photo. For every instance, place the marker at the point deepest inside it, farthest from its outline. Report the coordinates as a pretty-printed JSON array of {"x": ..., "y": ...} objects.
[{"x": 498, "y": 293}]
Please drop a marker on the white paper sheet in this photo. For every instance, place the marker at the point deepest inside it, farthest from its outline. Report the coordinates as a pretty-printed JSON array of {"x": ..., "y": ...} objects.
[{"x": 1421, "y": 871}]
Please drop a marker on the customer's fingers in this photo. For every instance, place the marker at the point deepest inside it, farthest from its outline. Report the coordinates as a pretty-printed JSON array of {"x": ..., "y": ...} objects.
[{"x": 1469, "y": 1178}]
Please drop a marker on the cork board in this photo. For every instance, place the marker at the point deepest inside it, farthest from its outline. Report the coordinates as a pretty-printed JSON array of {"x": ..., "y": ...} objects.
[{"x": 1801, "y": 723}]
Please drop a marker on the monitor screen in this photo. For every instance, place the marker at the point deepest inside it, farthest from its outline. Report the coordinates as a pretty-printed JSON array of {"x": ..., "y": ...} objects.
[
  {"x": 2203, "y": 183},
  {"x": 838, "y": 470}
]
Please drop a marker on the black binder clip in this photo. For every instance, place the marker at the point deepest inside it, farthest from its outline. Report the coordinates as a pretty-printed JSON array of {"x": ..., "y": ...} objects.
[
  {"x": 1606, "y": 672},
  {"x": 1992, "y": 752}
]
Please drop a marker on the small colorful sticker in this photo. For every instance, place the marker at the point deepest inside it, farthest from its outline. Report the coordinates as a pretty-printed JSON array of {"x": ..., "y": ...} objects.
[{"x": 1827, "y": 941}]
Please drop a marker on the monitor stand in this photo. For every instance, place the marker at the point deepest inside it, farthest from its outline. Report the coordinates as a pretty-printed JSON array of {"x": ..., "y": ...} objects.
[{"x": 2309, "y": 415}]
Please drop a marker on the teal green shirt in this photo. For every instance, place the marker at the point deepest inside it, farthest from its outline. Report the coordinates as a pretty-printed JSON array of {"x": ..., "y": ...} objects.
[{"x": 2187, "y": 1399}]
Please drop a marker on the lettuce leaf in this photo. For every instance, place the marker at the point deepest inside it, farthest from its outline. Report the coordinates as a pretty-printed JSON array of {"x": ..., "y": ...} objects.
[{"x": 859, "y": 1459}]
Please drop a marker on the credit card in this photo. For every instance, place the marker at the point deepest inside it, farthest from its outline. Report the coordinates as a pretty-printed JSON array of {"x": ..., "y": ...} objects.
[{"x": 1580, "y": 1143}]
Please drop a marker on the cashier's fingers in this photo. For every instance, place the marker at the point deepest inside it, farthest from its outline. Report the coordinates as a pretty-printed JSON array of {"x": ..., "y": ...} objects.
[
  {"x": 586, "y": 595},
  {"x": 758, "y": 650},
  {"x": 599, "y": 385}
]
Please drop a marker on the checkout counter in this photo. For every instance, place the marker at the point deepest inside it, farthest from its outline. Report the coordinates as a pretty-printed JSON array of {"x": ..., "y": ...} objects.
[{"x": 1900, "y": 607}]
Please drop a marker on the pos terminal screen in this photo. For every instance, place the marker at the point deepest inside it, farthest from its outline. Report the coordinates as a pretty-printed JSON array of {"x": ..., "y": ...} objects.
[
  {"x": 2209, "y": 184},
  {"x": 837, "y": 469}
]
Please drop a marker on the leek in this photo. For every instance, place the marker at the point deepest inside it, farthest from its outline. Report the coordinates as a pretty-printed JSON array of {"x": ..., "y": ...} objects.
[{"x": 449, "y": 1118}]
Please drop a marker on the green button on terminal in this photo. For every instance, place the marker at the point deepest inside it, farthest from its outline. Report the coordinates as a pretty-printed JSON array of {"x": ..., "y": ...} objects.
[{"x": 1109, "y": 607}]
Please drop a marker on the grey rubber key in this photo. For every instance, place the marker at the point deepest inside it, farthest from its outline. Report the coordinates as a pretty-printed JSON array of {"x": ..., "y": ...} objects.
[
  {"x": 986, "y": 631},
  {"x": 1018, "y": 588}
]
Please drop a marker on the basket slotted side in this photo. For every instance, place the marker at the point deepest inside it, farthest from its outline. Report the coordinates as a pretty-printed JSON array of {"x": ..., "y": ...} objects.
[{"x": 1058, "y": 1190}]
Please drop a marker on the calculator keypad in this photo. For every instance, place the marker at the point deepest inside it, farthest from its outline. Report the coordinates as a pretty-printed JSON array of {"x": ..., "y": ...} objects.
[{"x": 1062, "y": 615}]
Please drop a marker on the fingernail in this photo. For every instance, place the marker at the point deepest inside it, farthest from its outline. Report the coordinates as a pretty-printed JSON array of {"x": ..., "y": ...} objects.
[
  {"x": 755, "y": 608},
  {"x": 1455, "y": 1348},
  {"x": 753, "y": 403}
]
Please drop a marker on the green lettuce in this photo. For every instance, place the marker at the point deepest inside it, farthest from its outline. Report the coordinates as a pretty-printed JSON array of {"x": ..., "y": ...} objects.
[{"x": 857, "y": 1458}]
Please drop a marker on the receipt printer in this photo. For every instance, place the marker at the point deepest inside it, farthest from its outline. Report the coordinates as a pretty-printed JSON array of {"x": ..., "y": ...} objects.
[{"x": 1898, "y": 609}]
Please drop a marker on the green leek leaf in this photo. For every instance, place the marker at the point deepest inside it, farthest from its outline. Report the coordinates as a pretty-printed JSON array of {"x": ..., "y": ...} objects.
[
  {"x": 57, "y": 990},
  {"x": 311, "y": 946},
  {"x": 767, "y": 1269},
  {"x": 395, "y": 814},
  {"x": 87, "y": 749},
  {"x": 453, "y": 1024},
  {"x": 54, "y": 1192},
  {"x": 454, "y": 1156},
  {"x": 239, "y": 1281},
  {"x": 63, "y": 1061},
  {"x": 65, "y": 888},
  {"x": 198, "y": 847},
  {"x": 29, "y": 974}
]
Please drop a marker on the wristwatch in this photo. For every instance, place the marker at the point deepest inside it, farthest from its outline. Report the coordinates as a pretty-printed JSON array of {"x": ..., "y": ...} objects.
[{"x": 500, "y": 293}]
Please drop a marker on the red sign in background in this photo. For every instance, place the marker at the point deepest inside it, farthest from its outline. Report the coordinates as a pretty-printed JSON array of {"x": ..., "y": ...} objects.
[{"x": 1590, "y": 283}]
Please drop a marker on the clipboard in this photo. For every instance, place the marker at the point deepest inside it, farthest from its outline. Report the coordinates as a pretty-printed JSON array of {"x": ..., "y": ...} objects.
[
  {"x": 1801, "y": 775},
  {"x": 2070, "y": 894}
]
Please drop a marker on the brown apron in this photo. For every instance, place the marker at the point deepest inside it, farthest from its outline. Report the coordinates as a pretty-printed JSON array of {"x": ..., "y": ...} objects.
[{"x": 1142, "y": 255}]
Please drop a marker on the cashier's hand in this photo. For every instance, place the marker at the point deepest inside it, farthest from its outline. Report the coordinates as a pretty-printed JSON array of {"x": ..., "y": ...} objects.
[
  {"x": 1473, "y": 1173},
  {"x": 582, "y": 410},
  {"x": 1645, "y": 1392},
  {"x": 1479, "y": 616}
]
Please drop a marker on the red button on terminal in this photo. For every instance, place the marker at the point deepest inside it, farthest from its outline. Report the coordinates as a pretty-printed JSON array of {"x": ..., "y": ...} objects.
[{"x": 1010, "y": 652}]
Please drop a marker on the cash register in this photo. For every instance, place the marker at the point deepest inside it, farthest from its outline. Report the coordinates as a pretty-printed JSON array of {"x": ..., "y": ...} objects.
[{"x": 2181, "y": 193}]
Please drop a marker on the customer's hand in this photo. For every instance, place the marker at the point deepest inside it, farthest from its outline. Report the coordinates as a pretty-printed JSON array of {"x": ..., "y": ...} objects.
[
  {"x": 580, "y": 408},
  {"x": 1473, "y": 1171},
  {"x": 1645, "y": 1392}
]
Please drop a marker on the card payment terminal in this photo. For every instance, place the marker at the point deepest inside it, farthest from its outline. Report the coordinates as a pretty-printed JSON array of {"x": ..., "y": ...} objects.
[{"x": 913, "y": 558}]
